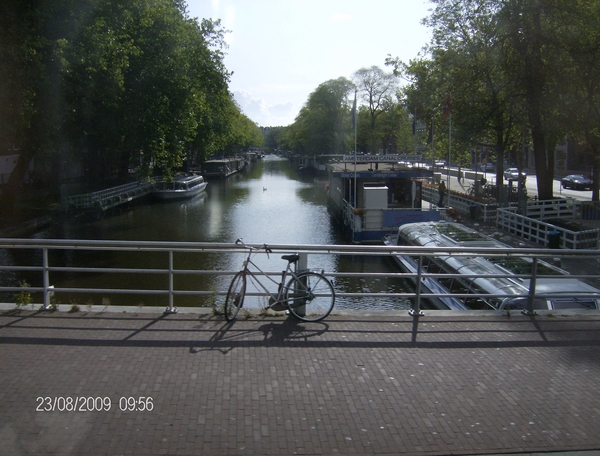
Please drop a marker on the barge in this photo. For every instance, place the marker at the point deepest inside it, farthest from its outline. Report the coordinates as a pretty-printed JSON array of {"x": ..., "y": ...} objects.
[
  {"x": 222, "y": 168},
  {"x": 494, "y": 283}
]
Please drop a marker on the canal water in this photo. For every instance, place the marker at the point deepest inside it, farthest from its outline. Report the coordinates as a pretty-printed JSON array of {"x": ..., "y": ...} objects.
[{"x": 269, "y": 203}]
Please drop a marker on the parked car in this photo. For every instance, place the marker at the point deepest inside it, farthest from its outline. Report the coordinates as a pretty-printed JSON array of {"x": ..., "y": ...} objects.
[
  {"x": 512, "y": 174},
  {"x": 576, "y": 182}
]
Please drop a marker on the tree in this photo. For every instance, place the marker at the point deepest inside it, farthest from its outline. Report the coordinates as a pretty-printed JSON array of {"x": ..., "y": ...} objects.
[
  {"x": 101, "y": 86},
  {"x": 323, "y": 123},
  {"x": 144, "y": 85},
  {"x": 580, "y": 27},
  {"x": 32, "y": 37},
  {"x": 504, "y": 63},
  {"x": 243, "y": 132},
  {"x": 536, "y": 62},
  {"x": 376, "y": 88},
  {"x": 467, "y": 47},
  {"x": 218, "y": 109},
  {"x": 274, "y": 138}
]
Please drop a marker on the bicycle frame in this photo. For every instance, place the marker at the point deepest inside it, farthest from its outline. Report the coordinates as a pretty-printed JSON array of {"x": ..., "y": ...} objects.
[
  {"x": 308, "y": 295},
  {"x": 249, "y": 273}
]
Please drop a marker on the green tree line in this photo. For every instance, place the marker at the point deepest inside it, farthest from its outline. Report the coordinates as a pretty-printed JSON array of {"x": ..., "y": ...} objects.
[
  {"x": 105, "y": 87},
  {"x": 510, "y": 72},
  {"x": 515, "y": 72},
  {"x": 366, "y": 109}
]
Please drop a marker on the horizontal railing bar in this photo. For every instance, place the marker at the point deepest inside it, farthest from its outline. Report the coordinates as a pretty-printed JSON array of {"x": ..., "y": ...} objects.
[
  {"x": 315, "y": 249},
  {"x": 21, "y": 268},
  {"x": 396, "y": 275},
  {"x": 374, "y": 275},
  {"x": 174, "y": 251},
  {"x": 107, "y": 270},
  {"x": 259, "y": 294}
]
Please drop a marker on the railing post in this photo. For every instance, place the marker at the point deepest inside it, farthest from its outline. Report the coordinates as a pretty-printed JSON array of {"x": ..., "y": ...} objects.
[
  {"x": 532, "y": 281},
  {"x": 48, "y": 290},
  {"x": 416, "y": 311},
  {"x": 302, "y": 265},
  {"x": 171, "y": 308}
]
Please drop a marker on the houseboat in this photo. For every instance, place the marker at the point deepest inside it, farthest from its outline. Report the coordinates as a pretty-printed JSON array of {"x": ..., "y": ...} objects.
[
  {"x": 222, "y": 168},
  {"x": 495, "y": 282},
  {"x": 179, "y": 187},
  {"x": 371, "y": 195}
]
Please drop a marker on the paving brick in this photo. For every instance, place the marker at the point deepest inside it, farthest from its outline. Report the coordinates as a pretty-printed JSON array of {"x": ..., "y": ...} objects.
[{"x": 350, "y": 385}]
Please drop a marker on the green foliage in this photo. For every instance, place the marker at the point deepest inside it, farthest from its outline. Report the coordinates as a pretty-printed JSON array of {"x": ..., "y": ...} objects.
[
  {"x": 242, "y": 133},
  {"x": 98, "y": 87},
  {"x": 513, "y": 68},
  {"x": 323, "y": 123},
  {"x": 376, "y": 89},
  {"x": 274, "y": 139},
  {"x": 24, "y": 297},
  {"x": 74, "y": 308},
  {"x": 141, "y": 81},
  {"x": 104, "y": 87}
]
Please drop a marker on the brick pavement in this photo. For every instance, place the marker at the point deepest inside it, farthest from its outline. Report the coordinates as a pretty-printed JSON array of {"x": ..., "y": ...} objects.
[{"x": 374, "y": 383}]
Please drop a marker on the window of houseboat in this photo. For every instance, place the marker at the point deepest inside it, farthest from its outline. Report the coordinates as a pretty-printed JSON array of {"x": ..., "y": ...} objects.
[{"x": 560, "y": 304}]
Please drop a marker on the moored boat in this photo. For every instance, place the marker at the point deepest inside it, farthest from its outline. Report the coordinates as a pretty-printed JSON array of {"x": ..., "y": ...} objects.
[
  {"x": 369, "y": 195},
  {"x": 222, "y": 168},
  {"x": 179, "y": 187},
  {"x": 486, "y": 282}
]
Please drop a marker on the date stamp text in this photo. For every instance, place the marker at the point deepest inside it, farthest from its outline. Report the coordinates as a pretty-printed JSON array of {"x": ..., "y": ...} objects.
[{"x": 93, "y": 404}]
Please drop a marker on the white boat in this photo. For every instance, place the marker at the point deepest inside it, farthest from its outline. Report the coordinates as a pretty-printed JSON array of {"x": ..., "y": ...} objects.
[
  {"x": 179, "y": 187},
  {"x": 481, "y": 277}
]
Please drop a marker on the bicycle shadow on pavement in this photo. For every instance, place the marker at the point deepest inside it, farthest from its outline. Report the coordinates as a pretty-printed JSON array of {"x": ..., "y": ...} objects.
[
  {"x": 291, "y": 329},
  {"x": 275, "y": 333}
]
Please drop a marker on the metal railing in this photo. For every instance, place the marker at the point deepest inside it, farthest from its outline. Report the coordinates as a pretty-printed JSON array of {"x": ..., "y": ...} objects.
[
  {"x": 541, "y": 219},
  {"x": 486, "y": 211},
  {"x": 44, "y": 271},
  {"x": 109, "y": 197}
]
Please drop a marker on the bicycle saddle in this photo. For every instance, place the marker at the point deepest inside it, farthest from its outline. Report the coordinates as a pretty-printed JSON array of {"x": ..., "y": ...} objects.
[{"x": 291, "y": 258}]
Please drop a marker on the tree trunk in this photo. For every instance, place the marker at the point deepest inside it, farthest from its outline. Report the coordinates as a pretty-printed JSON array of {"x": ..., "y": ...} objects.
[
  {"x": 543, "y": 165},
  {"x": 535, "y": 82},
  {"x": 594, "y": 143}
]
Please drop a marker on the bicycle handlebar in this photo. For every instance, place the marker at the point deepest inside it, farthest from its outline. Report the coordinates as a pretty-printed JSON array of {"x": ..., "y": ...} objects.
[{"x": 265, "y": 247}]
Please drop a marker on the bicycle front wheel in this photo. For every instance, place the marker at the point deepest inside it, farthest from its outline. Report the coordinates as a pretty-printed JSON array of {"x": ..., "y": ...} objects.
[
  {"x": 235, "y": 296},
  {"x": 310, "y": 296}
]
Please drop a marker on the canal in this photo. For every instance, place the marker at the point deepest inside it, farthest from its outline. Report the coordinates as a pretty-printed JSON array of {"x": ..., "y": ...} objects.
[{"x": 269, "y": 203}]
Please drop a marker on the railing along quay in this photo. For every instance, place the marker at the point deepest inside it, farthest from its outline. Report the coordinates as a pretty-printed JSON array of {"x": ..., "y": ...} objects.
[
  {"x": 40, "y": 267},
  {"x": 108, "y": 198}
]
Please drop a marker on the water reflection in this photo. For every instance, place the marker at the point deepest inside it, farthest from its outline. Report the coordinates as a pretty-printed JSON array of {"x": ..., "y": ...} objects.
[{"x": 267, "y": 204}]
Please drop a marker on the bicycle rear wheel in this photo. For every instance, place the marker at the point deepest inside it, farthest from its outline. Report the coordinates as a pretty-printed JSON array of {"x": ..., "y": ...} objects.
[
  {"x": 310, "y": 296},
  {"x": 235, "y": 296}
]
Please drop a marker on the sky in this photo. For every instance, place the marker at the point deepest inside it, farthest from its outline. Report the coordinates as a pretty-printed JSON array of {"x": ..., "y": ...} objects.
[{"x": 281, "y": 50}]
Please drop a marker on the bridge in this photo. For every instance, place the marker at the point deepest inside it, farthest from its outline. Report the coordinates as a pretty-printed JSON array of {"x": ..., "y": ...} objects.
[
  {"x": 106, "y": 199},
  {"x": 170, "y": 276},
  {"x": 359, "y": 382}
]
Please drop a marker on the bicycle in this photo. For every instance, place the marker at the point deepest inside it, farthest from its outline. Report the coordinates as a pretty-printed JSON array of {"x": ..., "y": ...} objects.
[{"x": 308, "y": 294}]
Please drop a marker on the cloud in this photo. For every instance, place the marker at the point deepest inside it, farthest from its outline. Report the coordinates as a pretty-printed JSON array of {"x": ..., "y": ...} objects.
[
  {"x": 265, "y": 115},
  {"x": 340, "y": 17}
]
